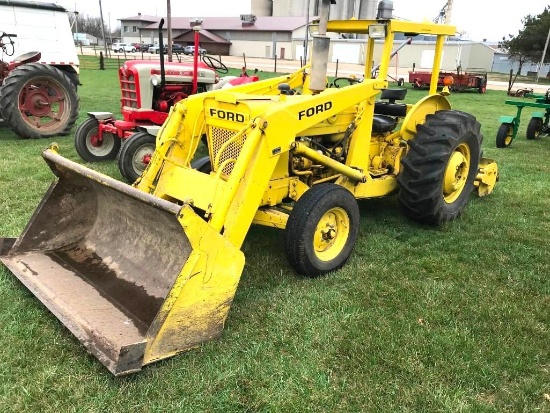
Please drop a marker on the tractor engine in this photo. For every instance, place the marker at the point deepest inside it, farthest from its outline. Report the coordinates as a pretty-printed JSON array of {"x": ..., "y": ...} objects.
[{"x": 144, "y": 91}]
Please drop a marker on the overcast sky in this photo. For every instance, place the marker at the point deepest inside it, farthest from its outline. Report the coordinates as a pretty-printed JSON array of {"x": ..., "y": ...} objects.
[{"x": 490, "y": 19}]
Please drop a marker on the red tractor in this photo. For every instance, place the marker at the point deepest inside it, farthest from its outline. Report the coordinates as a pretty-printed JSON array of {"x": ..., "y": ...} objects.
[
  {"x": 149, "y": 89},
  {"x": 36, "y": 100}
]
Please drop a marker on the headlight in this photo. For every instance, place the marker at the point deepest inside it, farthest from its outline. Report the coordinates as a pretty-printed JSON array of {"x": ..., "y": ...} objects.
[{"x": 377, "y": 31}]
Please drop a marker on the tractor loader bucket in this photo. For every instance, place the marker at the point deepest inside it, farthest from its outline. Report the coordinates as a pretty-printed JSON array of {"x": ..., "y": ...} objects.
[{"x": 135, "y": 278}]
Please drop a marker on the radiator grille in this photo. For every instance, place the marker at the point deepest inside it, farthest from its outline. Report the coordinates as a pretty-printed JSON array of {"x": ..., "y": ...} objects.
[
  {"x": 218, "y": 137},
  {"x": 129, "y": 93}
]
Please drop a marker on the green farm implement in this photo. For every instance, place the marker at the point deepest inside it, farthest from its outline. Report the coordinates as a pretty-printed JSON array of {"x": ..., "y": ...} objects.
[{"x": 538, "y": 124}]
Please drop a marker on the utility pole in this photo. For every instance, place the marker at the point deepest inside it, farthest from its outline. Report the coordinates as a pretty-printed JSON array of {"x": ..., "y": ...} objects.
[
  {"x": 169, "y": 28},
  {"x": 103, "y": 28},
  {"x": 448, "y": 11},
  {"x": 306, "y": 38},
  {"x": 543, "y": 55}
]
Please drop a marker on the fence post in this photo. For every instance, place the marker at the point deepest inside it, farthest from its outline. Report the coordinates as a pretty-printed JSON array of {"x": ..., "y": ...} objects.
[
  {"x": 336, "y": 73},
  {"x": 101, "y": 61},
  {"x": 275, "y": 59}
]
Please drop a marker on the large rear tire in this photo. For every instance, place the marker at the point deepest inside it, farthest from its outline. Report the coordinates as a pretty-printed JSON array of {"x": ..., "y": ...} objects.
[
  {"x": 440, "y": 167},
  {"x": 321, "y": 230},
  {"x": 534, "y": 128},
  {"x": 135, "y": 155},
  {"x": 38, "y": 101},
  {"x": 92, "y": 149},
  {"x": 505, "y": 135}
]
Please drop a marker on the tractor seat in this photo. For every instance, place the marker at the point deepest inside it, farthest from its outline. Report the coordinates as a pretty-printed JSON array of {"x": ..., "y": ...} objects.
[
  {"x": 383, "y": 123},
  {"x": 390, "y": 108}
]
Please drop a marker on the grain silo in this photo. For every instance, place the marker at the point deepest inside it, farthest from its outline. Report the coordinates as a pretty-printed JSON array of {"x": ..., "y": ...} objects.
[
  {"x": 342, "y": 10},
  {"x": 289, "y": 7},
  {"x": 261, "y": 7}
]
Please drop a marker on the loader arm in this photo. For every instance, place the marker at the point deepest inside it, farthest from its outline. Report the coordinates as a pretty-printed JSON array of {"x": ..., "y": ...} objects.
[{"x": 273, "y": 124}]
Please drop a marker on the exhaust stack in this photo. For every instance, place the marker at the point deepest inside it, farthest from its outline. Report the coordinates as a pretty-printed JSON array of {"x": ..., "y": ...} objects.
[{"x": 321, "y": 46}]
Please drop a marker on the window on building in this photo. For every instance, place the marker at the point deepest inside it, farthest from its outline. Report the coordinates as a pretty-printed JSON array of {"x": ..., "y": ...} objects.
[
  {"x": 126, "y": 29},
  {"x": 134, "y": 29}
]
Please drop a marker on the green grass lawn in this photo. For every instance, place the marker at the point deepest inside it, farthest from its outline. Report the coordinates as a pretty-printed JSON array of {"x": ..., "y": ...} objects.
[{"x": 421, "y": 319}]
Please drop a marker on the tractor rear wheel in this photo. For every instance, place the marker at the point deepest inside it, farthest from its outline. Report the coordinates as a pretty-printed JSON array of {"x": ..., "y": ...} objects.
[
  {"x": 38, "y": 101},
  {"x": 534, "y": 128},
  {"x": 321, "y": 230},
  {"x": 505, "y": 135},
  {"x": 135, "y": 155},
  {"x": 440, "y": 167},
  {"x": 90, "y": 147}
]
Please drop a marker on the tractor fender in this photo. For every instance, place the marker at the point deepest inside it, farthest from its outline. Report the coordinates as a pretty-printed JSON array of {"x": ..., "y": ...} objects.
[
  {"x": 417, "y": 113},
  {"x": 506, "y": 119},
  {"x": 150, "y": 129},
  {"x": 101, "y": 115},
  {"x": 539, "y": 115}
]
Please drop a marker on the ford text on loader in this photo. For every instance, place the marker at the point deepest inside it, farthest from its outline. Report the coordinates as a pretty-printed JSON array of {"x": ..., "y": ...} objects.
[{"x": 140, "y": 273}]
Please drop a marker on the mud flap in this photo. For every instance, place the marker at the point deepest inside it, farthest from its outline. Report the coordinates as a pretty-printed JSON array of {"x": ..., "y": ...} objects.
[{"x": 135, "y": 278}]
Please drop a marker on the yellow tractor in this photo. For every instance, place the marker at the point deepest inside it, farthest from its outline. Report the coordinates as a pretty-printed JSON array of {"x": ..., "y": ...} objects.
[{"x": 139, "y": 273}]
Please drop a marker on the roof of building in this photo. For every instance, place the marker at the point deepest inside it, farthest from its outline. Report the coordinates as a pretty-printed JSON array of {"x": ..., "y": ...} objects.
[
  {"x": 33, "y": 5},
  {"x": 204, "y": 34},
  {"x": 142, "y": 17},
  {"x": 261, "y": 23}
]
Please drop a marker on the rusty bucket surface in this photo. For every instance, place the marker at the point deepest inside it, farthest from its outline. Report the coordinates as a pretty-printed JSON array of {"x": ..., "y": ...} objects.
[{"x": 102, "y": 256}]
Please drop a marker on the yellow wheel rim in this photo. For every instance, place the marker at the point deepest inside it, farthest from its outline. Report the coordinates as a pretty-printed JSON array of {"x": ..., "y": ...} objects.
[
  {"x": 331, "y": 234},
  {"x": 508, "y": 139},
  {"x": 456, "y": 173}
]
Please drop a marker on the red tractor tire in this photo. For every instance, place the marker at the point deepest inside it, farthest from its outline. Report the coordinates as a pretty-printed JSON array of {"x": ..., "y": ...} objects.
[
  {"x": 90, "y": 147},
  {"x": 135, "y": 155},
  {"x": 38, "y": 101}
]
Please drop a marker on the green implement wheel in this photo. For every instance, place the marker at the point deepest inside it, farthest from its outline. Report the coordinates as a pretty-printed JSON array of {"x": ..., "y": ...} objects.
[
  {"x": 505, "y": 135},
  {"x": 534, "y": 128}
]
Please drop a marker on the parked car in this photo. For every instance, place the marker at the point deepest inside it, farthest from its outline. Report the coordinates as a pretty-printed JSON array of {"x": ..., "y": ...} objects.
[
  {"x": 144, "y": 47},
  {"x": 153, "y": 49},
  {"x": 123, "y": 47},
  {"x": 190, "y": 50},
  {"x": 176, "y": 48}
]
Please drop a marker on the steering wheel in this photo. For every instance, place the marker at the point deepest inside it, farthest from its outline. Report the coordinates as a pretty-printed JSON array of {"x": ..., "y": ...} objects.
[
  {"x": 4, "y": 45},
  {"x": 215, "y": 64},
  {"x": 350, "y": 81}
]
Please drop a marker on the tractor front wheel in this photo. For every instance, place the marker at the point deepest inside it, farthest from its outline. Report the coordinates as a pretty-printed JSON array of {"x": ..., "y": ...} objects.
[
  {"x": 534, "y": 128},
  {"x": 440, "y": 167},
  {"x": 93, "y": 148},
  {"x": 135, "y": 155},
  {"x": 321, "y": 230},
  {"x": 38, "y": 101},
  {"x": 202, "y": 165},
  {"x": 505, "y": 135}
]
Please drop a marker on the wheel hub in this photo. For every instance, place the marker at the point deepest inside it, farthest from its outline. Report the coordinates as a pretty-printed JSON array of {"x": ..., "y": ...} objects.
[
  {"x": 96, "y": 140},
  {"x": 456, "y": 173},
  {"x": 42, "y": 103},
  {"x": 331, "y": 234},
  {"x": 37, "y": 102},
  {"x": 142, "y": 157}
]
